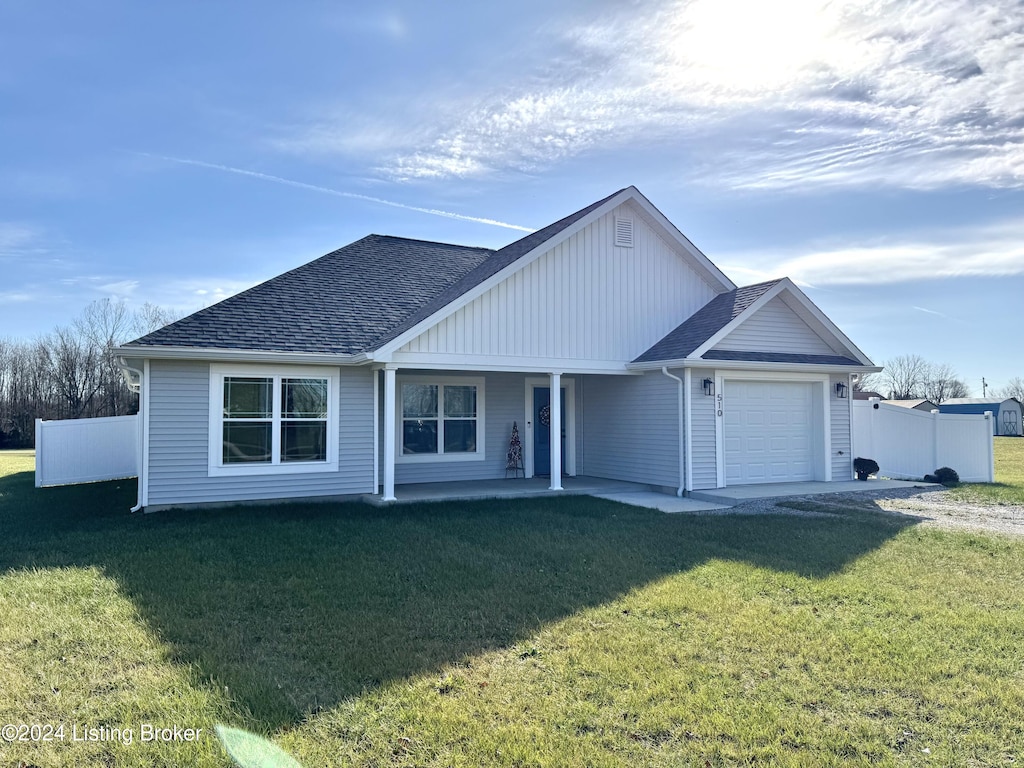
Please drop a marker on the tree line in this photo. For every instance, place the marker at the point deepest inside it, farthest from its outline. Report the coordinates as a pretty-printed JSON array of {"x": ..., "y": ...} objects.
[
  {"x": 71, "y": 372},
  {"x": 911, "y": 377}
]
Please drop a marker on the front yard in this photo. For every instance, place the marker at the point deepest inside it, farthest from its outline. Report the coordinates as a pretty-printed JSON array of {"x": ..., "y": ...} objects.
[{"x": 544, "y": 632}]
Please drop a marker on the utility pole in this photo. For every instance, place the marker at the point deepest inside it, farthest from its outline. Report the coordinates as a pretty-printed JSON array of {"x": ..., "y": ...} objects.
[{"x": 984, "y": 387}]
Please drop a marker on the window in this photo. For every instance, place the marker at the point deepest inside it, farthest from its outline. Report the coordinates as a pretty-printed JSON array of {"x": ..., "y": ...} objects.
[
  {"x": 272, "y": 420},
  {"x": 441, "y": 417}
]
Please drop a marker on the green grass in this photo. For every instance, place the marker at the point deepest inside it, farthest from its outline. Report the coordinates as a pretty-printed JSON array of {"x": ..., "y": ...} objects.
[
  {"x": 531, "y": 633},
  {"x": 1009, "y": 485}
]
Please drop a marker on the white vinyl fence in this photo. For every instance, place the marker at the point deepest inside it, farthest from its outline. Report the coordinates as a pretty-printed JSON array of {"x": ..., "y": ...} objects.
[
  {"x": 909, "y": 444},
  {"x": 86, "y": 450}
]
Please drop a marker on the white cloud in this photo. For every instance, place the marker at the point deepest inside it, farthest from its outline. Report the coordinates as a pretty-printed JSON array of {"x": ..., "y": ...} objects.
[
  {"x": 917, "y": 93},
  {"x": 119, "y": 289},
  {"x": 989, "y": 251},
  {"x": 339, "y": 193}
]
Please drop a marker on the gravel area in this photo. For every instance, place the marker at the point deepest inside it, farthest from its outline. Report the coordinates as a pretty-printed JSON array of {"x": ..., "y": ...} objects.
[{"x": 931, "y": 507}]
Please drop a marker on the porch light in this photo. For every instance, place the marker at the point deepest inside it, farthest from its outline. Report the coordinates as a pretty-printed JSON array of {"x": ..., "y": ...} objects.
[
  {"x": 709, "y": 387},
  {"x": 840, "y": 390}
]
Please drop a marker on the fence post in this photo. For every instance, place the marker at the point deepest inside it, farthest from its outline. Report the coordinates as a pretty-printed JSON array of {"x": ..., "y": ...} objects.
[
  {"x": 39, "y": 454},
  {"x": 990, "y": 442},
  {"x": 935, "y": 438}
]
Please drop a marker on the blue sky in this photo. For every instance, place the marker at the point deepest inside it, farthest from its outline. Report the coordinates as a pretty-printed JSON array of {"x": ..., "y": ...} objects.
[{"x": 179, "y": 152}]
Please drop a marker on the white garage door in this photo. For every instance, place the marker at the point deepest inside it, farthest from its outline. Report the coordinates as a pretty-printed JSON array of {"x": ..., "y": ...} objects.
[{"x": 768, "y": 435}]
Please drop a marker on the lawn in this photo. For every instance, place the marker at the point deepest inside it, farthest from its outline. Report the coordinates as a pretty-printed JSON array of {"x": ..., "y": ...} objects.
[
  {"x": 1009, "y": 485},
  {"x": 550, "y": 632}
]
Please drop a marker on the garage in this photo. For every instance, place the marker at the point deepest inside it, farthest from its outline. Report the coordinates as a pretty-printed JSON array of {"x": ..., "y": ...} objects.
[{"x": 768, "y": 432}]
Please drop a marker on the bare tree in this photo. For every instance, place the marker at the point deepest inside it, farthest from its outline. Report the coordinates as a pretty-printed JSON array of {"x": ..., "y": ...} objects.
[
  {"x": 904, "y": 377},
  {"x": 150, "y": 317},
  {"x": 72, "y": 372},
  {"x": 1013, "y": 388},
  {"x": 942, "y": 383}
]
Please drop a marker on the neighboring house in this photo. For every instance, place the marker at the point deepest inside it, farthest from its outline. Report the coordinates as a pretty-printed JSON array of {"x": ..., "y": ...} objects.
[
  {"x": 395, "y": 361},
  {"x": 863, "y": 394},
  {"x": 1006, "y": 414},
  {"x": 917, "y": 405}
]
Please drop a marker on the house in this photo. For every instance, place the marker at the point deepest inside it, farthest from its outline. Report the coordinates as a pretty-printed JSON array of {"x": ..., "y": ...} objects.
[
  {"x": 1006, "y": 414},
  {"x": 394, "y": 361},
  {"x": 917, "y": 405},
  {"x": 865, "y": 394}
]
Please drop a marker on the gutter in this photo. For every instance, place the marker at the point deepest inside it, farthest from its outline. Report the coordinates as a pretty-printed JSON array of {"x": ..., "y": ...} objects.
[
  {"x": 241, "y": 355},
  {"x": 682, "y": 456},
  {"x": 751, "y": 365}
]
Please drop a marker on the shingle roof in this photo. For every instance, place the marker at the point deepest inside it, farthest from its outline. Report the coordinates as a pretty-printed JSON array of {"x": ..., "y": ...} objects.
[
  {"x": 352, "y": 300},
  {"x": 705, "y": 323},
  {"x": 340, "y": 303}
]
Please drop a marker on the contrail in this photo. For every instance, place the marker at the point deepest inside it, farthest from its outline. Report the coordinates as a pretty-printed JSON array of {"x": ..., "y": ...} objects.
[{"x": 336, "y": 192}]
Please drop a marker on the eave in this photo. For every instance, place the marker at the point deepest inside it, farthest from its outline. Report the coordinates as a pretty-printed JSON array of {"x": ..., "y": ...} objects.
[
  {"x": 750, "y": 365},
  {"x": 156, "y": 352}
]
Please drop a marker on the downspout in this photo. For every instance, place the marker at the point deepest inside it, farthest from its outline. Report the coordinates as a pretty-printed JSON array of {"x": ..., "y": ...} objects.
[
  {"x": 133, "y": 378},
  {"x": 682, "y": 456}
]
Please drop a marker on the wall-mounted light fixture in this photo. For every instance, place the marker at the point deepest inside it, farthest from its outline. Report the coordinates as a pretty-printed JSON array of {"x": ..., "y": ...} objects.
[
  {"x": 709, "y": 387},
  {"x": 840, "y": 390}
]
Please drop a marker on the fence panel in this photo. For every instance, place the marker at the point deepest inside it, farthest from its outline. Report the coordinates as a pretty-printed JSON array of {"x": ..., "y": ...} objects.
[
  {"x": 86, "y": 450},
  {"x": 909, "y": 444}
]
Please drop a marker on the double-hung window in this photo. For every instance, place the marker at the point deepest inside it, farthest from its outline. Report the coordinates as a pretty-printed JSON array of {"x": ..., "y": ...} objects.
[
  {"x": 441, "y": 418},
  {"x": 267, "y": 420}
]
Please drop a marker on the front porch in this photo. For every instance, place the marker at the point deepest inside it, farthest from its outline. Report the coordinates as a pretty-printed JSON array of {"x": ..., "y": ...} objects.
[{"x": 511, "y": 488}]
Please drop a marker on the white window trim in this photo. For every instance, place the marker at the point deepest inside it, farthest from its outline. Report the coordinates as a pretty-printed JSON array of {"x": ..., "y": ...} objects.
[
  {"x": 216, "y": 465},
  {"x": 438, "y": 458}
]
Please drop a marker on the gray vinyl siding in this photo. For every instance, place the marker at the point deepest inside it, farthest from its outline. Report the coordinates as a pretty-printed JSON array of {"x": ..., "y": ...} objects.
[
  {"x": 842, "y": 460},
  {"x": 775, "y": 328},
  {"x": 178, "y": 408},
  {"x": 504, "y": 404},
  {"x": 632, "y": 429},
  {"x": 705, "y": 452}
]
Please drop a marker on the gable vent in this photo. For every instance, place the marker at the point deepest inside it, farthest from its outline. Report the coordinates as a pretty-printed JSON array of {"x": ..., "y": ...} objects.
[{"x": 623, "y": 232}]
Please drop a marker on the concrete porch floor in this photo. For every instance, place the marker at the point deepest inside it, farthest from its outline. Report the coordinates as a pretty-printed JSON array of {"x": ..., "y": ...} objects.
[
  {"x": 511, "y": 488},
  {"x": 635, "y": 494}
]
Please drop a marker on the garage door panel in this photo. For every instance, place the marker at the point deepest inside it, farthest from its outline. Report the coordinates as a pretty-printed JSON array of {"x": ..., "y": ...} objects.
[{"x": 768, "y": 432}]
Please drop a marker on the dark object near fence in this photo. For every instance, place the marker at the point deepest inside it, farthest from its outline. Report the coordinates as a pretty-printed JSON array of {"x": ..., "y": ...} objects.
[
  {"x": 944, "y": 475},
  {"x": 864, "y": 467}
]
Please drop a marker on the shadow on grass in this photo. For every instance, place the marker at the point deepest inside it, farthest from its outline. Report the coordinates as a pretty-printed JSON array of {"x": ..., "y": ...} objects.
[{"x": 297, "y": 607}]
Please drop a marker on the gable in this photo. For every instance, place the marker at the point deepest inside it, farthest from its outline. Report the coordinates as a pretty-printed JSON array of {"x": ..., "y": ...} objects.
[
  {"x": 775, "y": 327},
  {"x": 584, "y": 299}
]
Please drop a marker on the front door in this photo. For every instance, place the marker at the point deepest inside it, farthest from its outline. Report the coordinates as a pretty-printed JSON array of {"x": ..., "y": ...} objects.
[{"x": 542, "y": 431}]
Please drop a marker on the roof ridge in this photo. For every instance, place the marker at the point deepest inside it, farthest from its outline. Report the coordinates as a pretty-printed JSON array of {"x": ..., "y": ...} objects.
[{"x": 426, "y": 242}]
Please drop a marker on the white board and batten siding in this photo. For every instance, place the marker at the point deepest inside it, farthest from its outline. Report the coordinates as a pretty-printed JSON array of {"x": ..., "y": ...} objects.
[
  {"x": 585, "y": 300},
  {"x": 775, "y": 327},
  {"x": 179, "y": 427},
  {"x": 908, "y": 444},
  {"x": 72, "y": 451}
]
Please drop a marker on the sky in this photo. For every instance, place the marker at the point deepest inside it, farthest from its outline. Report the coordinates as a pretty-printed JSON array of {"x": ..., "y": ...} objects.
[{"x": 176, "y": 153}]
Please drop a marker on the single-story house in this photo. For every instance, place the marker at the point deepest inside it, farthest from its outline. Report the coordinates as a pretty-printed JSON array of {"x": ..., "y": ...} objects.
[
  {"x": 394, "y": 361},
  {"x": 917, "y": 405},
  {"x": 1006, "y": 414}
]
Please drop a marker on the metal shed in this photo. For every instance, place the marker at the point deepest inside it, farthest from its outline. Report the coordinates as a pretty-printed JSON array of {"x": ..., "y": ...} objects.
[{"x": 1006, "y": 413}]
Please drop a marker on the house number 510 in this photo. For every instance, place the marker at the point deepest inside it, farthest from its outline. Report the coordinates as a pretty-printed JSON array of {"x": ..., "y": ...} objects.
[{"x": 719, "y": 398}]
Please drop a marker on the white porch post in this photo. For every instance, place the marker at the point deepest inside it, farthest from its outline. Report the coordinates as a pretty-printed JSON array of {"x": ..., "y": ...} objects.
[
  {"x": 556, "y": 432},
  {"x": 389, "y": 434}
]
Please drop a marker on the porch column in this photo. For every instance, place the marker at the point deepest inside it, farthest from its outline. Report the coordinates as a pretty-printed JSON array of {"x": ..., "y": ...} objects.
[
  {"x": 389, "y": 434},
  {"x": 556, "y": 432}
]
